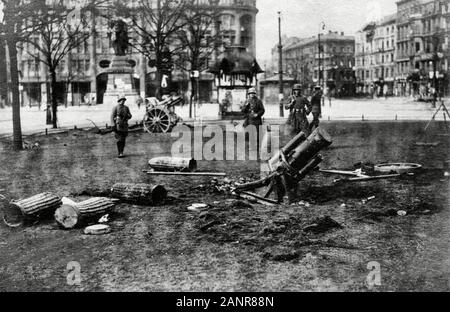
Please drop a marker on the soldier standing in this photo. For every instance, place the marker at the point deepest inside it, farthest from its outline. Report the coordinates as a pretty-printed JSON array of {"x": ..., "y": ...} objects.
[
  {"x": 299, "y": 107},
  {"x": 253, "y": 110},
  {"x": 119, "y": 119},
  {"x": 316, "y": 108}
]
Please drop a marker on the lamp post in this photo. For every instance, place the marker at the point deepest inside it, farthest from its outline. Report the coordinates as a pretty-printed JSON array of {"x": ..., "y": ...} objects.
[
  {"x": 280, "y": 66},
  {"x": 321, "y": 27}
]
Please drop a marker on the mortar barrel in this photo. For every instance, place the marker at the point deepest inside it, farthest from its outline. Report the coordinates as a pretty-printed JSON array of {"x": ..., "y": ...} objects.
[
  {"x": 310, "y": 166},
  {"x": 303, "y": 153},
  {"x": 274, "y": 162}
]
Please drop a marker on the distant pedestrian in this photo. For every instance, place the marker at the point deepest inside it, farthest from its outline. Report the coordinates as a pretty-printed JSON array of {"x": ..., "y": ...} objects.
[
  {"x": 119, "y": 119},
  {"x": 299, "y": 108},
  {"x": 139, "y": 102},
  {"x": 316, "y": 108}
]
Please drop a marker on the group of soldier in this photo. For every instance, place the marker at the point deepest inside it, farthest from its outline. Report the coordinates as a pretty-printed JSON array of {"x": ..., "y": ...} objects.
[
  {"x": 298, "y": 105},
  {"x": 299, "y": 108}
]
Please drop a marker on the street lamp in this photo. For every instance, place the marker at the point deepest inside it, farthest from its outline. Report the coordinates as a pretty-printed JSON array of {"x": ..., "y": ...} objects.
[
  {"x": 280, "y": 66},
  {"x": 321, "y": 27}
]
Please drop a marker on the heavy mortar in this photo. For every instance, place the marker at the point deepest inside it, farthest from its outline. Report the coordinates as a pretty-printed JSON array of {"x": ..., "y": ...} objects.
[{"x": 291, "y": 164}]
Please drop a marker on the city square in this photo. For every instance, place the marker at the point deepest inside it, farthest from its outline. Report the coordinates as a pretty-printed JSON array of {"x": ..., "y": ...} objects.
[{"x": 234, "y": 149}]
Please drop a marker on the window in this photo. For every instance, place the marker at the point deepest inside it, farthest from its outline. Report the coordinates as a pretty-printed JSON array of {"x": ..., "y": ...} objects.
[{"x": 417, "y": 46}]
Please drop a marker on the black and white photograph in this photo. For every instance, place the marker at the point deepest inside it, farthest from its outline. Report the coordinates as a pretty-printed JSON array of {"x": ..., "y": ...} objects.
[{"x": 235, "y": 147}]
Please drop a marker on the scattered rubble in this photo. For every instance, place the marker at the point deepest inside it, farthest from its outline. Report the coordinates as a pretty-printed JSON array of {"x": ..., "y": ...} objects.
[{"x": 99, "y": 229}]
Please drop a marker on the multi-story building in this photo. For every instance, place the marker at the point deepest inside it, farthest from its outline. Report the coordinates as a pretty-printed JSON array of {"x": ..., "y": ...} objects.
[
  {"x": 83, "y": 73},
  {"x": 375, "y": 57},
  {"x": 423, "y": 31},
  {"x": 335, "y": 63}
]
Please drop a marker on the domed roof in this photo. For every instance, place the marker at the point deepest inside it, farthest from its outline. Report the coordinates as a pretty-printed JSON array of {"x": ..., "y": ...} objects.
[{"x": 236, "y": 61}]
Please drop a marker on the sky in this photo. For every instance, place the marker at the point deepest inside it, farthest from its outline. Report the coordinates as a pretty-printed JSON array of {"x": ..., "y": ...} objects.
[{"x": 301, "y": 18}]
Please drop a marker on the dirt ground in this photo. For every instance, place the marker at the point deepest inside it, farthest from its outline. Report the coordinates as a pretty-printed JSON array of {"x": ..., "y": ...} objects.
[{"x": 235, "y": 245}]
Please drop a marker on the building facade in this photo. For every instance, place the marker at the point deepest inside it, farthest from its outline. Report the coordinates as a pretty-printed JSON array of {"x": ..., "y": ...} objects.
[
  {"x": 334, "y": 65},
  {"x": 82, "y": 75},
  {"x": 423, "y": 31},
  {"x": 375, "y": 57}
]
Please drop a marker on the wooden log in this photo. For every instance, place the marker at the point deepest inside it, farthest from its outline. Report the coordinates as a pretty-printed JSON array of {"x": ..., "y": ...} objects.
[
  {"x": 192, "y": 174},
  {"x": 173, "y": 164},
  {"x": 139, "y": 193},
  {"x": 71, "y": 214},
  {"x": 38, "y": 205}
]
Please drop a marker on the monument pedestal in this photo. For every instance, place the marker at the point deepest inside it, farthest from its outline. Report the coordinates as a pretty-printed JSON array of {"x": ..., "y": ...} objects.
[{"x": 120, "y": 81}]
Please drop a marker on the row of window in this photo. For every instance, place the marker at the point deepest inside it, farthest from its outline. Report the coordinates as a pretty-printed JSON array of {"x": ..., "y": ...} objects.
[
  {"x": 32, "y": 67},
  {"x": 302, "y": 53},
  {"x": 375, "y": 59},
  {"x": 378, "y": 73}
]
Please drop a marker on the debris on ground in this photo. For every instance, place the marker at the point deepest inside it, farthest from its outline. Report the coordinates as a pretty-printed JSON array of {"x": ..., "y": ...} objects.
[
  {"x": 400, "y": 168},
  {"x": 98, "y": 229},
  {"x": 189, "y": 174},
  {"x": 74, "y": 214},
  {"x": 322, "y": 225},
  {"x": 135, "y": 193},
  {"x": 37, "y": 207},
  {"x": 173, "y": 164},
  {"x": 304, "y": 204},
  {"x": 366, "y": 200},
  {"x": 197, "y": 207},
  {"x": 104, "y": 219},
  {"x": 31, "y": 146}
]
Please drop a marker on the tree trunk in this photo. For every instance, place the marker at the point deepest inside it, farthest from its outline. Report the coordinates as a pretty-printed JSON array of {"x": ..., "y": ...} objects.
[
  {"x": 17, "y": 128},
  {"x": 139, "y": 193},
  {"x": 191, "y": 98},
  {"x": 53, "y": 97},
  {"x": 71, "y": 214}
]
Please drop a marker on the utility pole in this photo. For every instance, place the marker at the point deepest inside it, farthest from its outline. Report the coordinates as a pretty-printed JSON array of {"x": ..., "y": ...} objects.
[
  {"x": 321, "y": 82},
  {"x": 280, "y": 65},
  {"x": 320, "y": 64},
  {"x": 435, "y": 60}
]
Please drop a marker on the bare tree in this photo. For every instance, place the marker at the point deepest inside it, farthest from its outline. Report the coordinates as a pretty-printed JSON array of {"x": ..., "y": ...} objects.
[
  {"x": 198, "y": 40},
  {"x": 19, "y": 19},
  {"x": 64, "y": 29}
]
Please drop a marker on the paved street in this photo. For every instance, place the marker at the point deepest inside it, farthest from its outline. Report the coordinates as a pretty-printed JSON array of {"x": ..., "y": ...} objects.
[{"x": 33, "y": 120}]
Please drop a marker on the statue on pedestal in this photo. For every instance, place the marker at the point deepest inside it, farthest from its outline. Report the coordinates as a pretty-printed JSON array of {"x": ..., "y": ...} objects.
[{"x": 118, "y": 35}]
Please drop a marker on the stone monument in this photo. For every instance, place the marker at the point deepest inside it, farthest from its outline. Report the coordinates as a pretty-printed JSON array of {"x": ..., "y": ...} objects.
[{"x": 120, "y": 72}]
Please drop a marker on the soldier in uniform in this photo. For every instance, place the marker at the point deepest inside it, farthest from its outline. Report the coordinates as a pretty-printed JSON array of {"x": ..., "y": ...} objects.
[
  {"x": 253, "y": 110},
  {"x": 299, "y": 108},
  {"x": 119, "y": 119},
  {"x": 316, "y": 108}
]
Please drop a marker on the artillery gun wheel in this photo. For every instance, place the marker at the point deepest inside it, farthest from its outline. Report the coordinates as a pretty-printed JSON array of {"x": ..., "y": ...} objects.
[{"x": 157, "y": 120}]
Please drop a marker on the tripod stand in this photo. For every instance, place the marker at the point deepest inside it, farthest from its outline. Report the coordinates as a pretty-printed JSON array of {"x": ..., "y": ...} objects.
[{"x": 446, "y": 113}]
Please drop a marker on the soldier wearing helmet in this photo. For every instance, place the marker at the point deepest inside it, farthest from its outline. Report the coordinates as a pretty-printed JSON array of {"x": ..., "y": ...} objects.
[
  {"x": 316, "y": 107},
  {"x": 253, "y": 110},
  {"x": 119, "y": 119},
  {"x": 299, "y": 108}
]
